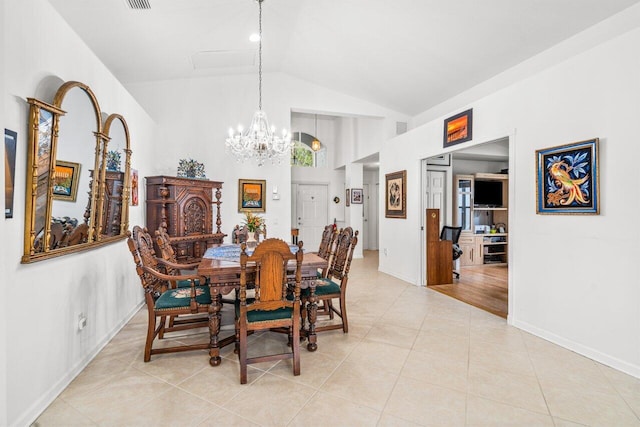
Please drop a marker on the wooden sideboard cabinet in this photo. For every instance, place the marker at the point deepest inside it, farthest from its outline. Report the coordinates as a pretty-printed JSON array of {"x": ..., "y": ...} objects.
[
  {"x": 189, "y": 209},
  {"x": 112, "y": 207}
]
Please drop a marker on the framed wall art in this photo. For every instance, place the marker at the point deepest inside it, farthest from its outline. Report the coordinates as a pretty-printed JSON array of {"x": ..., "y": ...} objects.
[
  {"x": 10, "y": 138},
  {"x": 251, "y": 195},
  {"x": 395, "y": 195},
  {"x": 567, "y": 179},
  {"x": 347, "y": 199},
  {"x": 458, "y": 128},
  {"x": 65, "y": 180},
  {"x": 356, "y": 196}
]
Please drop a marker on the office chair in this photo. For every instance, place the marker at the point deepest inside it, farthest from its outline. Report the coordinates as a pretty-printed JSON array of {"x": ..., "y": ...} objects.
[{"x": 453, "y": 234}]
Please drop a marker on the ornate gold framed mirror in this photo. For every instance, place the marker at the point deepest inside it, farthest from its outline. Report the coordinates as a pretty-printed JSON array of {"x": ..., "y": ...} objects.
[{"x": 72, "y": 202}]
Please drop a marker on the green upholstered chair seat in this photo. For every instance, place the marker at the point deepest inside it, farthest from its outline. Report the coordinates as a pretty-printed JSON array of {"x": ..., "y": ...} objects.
[
  {"x": 326, "y": 287},
  {"x": 181, "y": 297},
  {"x": 262, "y": 315}
]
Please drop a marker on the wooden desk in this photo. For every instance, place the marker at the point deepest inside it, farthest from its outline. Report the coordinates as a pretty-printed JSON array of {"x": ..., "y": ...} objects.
[{"x": 224, "y": 277}]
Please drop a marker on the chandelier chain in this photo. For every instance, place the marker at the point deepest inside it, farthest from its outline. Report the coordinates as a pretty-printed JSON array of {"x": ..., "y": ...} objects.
[
  {"x": 260, "y": 55},
  {"x": 259, "y": 142}
]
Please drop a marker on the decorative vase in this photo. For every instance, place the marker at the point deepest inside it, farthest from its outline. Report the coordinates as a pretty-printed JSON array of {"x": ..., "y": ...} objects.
[{"x": 251, "y": 239}]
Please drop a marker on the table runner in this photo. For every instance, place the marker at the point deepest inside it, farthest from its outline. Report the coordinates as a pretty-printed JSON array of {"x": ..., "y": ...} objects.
[{"x": 231, "y": 252}]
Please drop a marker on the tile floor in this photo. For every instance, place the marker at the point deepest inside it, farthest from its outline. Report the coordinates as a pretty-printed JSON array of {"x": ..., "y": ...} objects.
[{"x": 412, "y": 357}]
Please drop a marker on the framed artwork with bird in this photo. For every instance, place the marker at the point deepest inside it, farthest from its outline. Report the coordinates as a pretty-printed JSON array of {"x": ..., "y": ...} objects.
[{"x": 567, "y": 180}]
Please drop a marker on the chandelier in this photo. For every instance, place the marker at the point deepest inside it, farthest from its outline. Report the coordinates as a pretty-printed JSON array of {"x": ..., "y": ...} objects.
[{"x": 259, "y": 141}]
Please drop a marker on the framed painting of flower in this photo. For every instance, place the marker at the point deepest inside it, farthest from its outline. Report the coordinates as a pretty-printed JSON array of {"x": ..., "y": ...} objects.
[{"x": 567, "y": 179}]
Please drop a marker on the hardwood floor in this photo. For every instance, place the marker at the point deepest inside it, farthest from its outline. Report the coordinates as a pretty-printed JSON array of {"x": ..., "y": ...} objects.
[{"x": 483, "y": 286}]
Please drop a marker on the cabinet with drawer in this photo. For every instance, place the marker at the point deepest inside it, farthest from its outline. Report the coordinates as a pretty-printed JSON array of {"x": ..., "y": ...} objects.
[{"x": 471, "y": 249}]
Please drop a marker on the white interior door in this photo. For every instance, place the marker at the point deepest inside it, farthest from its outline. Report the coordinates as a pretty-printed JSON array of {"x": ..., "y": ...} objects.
[
  {"x": 311, "y": 214},
  {"x": 435, "y": 192}
]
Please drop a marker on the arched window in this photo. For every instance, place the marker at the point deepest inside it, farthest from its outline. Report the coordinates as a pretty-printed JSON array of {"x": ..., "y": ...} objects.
[{"x": 308, "y": 151}]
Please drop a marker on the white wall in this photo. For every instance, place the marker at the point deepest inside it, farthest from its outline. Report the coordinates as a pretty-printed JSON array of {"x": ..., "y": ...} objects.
[
  {"x": 3, "y": 232},
  {"x": 44, "y": 351},
  {"x": 573, "y": 279},
  {"x": 194, "y": 117}
]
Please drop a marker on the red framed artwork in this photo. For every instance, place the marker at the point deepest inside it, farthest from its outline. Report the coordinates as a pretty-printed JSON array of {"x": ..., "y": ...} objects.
[{"x": 458, "y": 128}]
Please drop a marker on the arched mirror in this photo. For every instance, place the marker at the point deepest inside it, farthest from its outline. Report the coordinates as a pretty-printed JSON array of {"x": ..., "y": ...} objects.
[
  {"x": 114, "y": 196},
  {"x": 71, "y": 205}
]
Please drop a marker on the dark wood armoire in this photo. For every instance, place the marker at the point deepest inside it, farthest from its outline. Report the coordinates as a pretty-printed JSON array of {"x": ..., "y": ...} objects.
[{"x": 187, "y": 208}]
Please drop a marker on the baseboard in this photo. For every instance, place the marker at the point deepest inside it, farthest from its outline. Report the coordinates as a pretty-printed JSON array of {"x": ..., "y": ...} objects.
[
  {"x": 398, "y": 275},
  {"x": 38, "y": 407},
  {"x": 583, "y": 350}
]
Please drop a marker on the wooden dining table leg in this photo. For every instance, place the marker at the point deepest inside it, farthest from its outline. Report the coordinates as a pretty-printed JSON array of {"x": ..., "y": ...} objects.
[
  {"x": 214, "y": 329},
  {"x": 312, "y": 312}
]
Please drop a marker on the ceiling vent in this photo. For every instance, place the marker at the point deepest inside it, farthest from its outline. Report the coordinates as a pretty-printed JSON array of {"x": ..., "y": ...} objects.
[{"x": 138, "y": 4}]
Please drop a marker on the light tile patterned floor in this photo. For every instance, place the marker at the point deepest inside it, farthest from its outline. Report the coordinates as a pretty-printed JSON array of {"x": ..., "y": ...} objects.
[{"x": 413, "y": 357}]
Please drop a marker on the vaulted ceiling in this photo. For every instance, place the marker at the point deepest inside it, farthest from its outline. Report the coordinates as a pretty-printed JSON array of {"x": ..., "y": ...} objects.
[{"x": 406, "y": 55}]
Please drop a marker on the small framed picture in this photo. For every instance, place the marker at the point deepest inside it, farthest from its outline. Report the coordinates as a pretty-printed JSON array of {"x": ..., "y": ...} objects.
[
  {"x": 395, "y": 205},
  {"x": 356, "y": 196},
  {"x": 567, "y": 179},
  {"x": 10, "y": 138},
  {"x": 251, "y": 195},
  {"x": 347, "y": 199},
  {"x": 458, "y": 128},
  {"x": 65, "y": 180}
]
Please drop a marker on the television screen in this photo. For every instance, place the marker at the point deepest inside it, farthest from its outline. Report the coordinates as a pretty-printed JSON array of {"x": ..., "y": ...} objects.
[{"x": 488, "y": 193}]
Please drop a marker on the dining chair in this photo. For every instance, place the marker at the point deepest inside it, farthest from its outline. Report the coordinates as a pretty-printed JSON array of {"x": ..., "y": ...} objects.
[
  {"x": 270, "y": 307},
  {"x": 334, "y": 285},
  {"x": 163, "y": 297}
]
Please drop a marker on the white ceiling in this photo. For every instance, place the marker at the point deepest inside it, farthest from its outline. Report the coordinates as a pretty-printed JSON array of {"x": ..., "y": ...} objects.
[{"x": 406, "y": 55}]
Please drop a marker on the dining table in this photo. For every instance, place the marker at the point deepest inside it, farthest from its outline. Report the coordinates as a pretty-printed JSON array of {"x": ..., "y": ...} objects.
[{"x": 221, "y": 266}]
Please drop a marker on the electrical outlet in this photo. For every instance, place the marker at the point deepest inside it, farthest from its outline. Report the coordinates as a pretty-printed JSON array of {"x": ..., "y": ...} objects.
[
  {"x": 82, "y": 321},
  {"x": 385, "y": 251}
]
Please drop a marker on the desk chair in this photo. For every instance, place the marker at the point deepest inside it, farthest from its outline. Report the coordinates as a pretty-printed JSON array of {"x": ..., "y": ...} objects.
[{"x": 453, "y": 234}]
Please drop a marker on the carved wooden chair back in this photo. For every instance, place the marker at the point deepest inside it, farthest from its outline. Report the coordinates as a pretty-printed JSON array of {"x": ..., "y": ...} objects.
[
  {"x": 141, "y": 247},
  {"x": 164, "y": 243},
  {"x": 270, "y": 308},
  {"x": 345, "y": 242},
  {"x": 239, "y": 234},
  {"x": 162, "y": 298},
  {"x": 172, "y": 266},
  {"x": 326, "y": 242},
  {"x": 78, "y": 235}
]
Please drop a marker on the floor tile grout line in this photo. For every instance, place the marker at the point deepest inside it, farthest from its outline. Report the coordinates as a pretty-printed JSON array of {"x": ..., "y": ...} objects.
[{"x": 600, "y": 369}]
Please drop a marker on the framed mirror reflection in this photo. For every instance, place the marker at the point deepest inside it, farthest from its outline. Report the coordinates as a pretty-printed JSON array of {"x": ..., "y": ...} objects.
[{"x": 72, "y": 202}]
